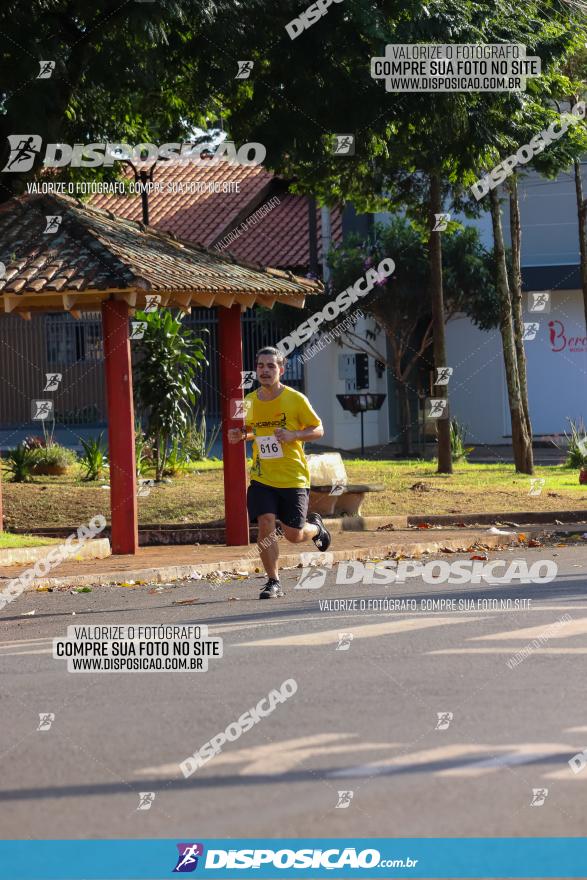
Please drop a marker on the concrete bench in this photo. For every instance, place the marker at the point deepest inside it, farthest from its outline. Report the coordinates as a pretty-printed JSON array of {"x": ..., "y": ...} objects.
[{"x": 340, "y": 500}]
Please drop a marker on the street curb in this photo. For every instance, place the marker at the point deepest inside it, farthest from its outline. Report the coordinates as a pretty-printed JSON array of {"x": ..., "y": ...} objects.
[
  {"x": 169, "y": 534},
  {"x": 97, "y": 548},
  {"x": 252, "y": 565}
]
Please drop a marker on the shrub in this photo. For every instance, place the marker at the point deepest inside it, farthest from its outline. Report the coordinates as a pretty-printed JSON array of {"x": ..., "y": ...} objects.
[
  {"x": 20, "y": 463},
  {"x": 458, "y": 449},
  {"x": 52, "y": 459},
  {"x": 576, "y": 445},
  {"x": 94, "y": 459}
]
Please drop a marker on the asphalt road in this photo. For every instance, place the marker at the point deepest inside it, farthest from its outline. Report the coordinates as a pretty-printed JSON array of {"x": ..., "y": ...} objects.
[{"x": 364, "y": 719}]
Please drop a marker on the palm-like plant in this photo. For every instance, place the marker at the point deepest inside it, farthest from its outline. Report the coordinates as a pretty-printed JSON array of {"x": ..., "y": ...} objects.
[
  {"x": 20, "y": 463},
  {"x": 94, "y": 459},
  {"x": 169, "y": 358}
]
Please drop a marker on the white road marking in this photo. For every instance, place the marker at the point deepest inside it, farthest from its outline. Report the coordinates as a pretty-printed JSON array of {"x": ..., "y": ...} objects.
[
  {"x": 509, "y": 651},
  {"x": 564, "y": 629},
  {"x": 277, "y": 757},
  {"x": 369, "y": 630},
  {"x": 512, "y": 755}
]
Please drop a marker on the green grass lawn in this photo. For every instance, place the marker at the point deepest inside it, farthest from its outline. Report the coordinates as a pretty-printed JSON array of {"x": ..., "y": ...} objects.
[
  {"x": 197, "y": 496},
  {"x": 13, "y": 542}
]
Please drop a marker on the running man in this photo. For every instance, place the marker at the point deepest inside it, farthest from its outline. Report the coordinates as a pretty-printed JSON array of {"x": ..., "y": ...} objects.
[{"x": 279, "y": 420}]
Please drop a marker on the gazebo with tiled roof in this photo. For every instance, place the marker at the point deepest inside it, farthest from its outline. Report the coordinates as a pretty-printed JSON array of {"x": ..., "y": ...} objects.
[{"x": 95, "y": 261}]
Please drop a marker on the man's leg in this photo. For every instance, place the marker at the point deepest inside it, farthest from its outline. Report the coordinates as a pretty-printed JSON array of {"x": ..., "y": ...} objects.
[
  {"x": 298, "y": 525},
  {"x": 267, "y": 541},
  {"x": 296, "y": 536}
]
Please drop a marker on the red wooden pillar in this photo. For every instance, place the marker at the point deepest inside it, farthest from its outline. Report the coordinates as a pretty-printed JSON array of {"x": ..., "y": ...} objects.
[
  {"x": 121, "y": 427},
  {"x": 234, "y": 456}
]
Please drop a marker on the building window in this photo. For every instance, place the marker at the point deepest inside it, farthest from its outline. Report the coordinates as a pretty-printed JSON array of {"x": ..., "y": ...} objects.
[{"x": 70, "y": 341}]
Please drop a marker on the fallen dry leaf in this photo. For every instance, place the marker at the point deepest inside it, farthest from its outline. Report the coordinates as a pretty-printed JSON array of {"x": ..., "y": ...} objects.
[
  {"x": 534, "y": 543},
  {"x": 522, "y": 537},
  {"x": 423, "y": 525},
  {"x": 479, "y": 556},
  {"x": 185, "y": 602}
]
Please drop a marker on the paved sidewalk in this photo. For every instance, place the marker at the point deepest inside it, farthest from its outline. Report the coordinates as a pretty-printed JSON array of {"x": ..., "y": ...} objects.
[{"x": 170, "y": 563}]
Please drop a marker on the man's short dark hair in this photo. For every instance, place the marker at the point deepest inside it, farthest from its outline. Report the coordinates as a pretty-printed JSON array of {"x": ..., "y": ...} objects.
[{"x": 269, "y": 349}]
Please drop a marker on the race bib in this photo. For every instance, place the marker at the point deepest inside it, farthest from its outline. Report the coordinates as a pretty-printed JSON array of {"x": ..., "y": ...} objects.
[{"x": 269, "y": 447}]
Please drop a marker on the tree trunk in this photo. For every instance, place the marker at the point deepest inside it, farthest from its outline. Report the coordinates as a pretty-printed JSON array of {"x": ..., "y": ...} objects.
[
  {"x": 520, "y": 439},
  {"x": 405, "y": 418},
  {"x": 516, "y": 296},
  {"x": 582, "y": 216},
  {"x": 435, "y": 258}
]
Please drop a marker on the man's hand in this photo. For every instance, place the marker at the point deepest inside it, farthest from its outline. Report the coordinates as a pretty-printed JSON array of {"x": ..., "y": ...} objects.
[
  {"x": 235, "y": 435},
  {"x": 285, "y": 436}
]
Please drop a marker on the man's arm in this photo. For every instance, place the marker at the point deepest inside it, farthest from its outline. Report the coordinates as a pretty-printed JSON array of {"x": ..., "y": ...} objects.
[{"x": 313, "y": 432}]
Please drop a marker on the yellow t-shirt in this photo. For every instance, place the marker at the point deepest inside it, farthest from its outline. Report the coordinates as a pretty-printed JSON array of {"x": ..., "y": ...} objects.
[{"x": 282, "y": 465}]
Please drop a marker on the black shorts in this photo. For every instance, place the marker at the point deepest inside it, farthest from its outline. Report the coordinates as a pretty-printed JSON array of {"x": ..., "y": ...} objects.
[{"x": 290, "y": 506}]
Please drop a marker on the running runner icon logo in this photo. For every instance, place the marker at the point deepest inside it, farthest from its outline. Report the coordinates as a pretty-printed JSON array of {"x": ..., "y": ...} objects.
[
  {"x": 314, "y": 569},
  {"x": 187, "y": 860},
  {"x": 24, "y": 149}
]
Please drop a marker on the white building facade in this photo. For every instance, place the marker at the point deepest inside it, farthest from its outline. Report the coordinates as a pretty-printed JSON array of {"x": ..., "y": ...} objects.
[{"x": 556, "y": 356}]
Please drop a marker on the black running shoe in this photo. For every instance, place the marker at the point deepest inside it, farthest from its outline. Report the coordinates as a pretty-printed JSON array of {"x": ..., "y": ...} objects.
[
  {"x": 271, "y": 590},
  {"x": 323, "y": 539}
]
